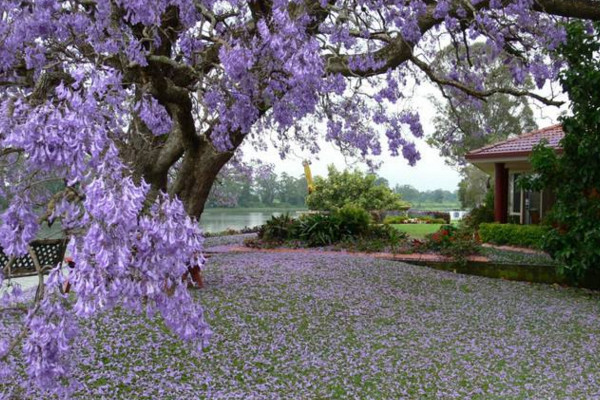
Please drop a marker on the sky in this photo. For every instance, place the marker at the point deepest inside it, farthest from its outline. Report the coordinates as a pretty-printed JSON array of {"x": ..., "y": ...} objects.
[{"x": 430, "y": 172}]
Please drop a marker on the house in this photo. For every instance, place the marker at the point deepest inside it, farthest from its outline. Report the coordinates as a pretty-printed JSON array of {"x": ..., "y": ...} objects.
[{"x": 506, "y": 161}]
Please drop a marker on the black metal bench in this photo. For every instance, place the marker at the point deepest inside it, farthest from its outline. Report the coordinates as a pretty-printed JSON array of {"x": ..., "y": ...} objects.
[{"x": 43, "y": 255}]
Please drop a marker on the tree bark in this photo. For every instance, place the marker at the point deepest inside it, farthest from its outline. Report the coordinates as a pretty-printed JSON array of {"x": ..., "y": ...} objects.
[{"x": 199, "y": 169}]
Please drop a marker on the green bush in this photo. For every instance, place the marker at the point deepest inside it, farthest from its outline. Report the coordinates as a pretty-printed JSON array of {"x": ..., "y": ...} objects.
[
  {"x": 430, "y": 215},
  {"x": 455, "y": 242},
  {"x": 278, "y": 229},
  {"x": 350, "y": 225},
  {"x": 400, "y": 219},
  {"x": 437, "y": 221},
  {"x": 319, "y": 229},
  {"x": 353, "y": 220},
  {"x": 352, "y": 187},
  {"x": 385, "y": 232},
  {"x": 376, "y": 238},
  {"x": 513, "y": 235},
  {"x": 440, "y": 216},
  {"x": 395, "y": 219},
  {"x": 482, "y": 214}
]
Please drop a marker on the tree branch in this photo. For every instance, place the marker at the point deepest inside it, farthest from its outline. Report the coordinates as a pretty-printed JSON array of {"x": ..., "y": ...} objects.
[
  {"x": 398, "y": 51},
  {"x": 47, "y": 82},
  {"x": 10, "y": 150},
  {"x": 423, "y": 66},
  {"x": 582, "y": 9}
]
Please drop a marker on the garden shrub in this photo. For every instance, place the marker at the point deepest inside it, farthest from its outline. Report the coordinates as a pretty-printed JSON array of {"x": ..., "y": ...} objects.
[
  {"x": 430, "y": 215},
  {"x": 364, "y": 244},
  {"x": 395, "y": 219},
  {"x": 353, "y": 220},
  {"x": 442, "y": 238},
  {"x": 376, "y": 238},
  {"x": 440, "y": 215},
  {"x": 278, "y": 228},
  {"x": 513, "y": 235},
  {"x": 483, "y": 213},
  {"x": 386, "y": 232},
  {"x": 350, "y": 226},
  {"x": 352, "y": 187},
  {"x": 437, "y": 221},
  {"x": 415, "y": 220},
  {"x": 452, "y": 241},
  {"x": 319, "y": 229}
]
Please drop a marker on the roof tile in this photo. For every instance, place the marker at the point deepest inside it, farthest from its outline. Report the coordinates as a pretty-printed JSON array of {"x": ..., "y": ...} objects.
[{"x": 520, "y": 145}]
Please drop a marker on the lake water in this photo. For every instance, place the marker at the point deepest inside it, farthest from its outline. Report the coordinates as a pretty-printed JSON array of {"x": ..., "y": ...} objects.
[
  {"x": 213, "y": 220},
  {"x": 220, "y": 219}
]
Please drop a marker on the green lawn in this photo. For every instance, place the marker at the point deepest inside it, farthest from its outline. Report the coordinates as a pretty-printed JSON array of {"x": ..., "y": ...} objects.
[{"x": 417, "y": 231}]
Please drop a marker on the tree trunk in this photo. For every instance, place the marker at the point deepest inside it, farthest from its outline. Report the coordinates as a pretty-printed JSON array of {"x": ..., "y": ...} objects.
[
  {"x": 153, "y": 157},
  {"x": 199, "y": 169}
]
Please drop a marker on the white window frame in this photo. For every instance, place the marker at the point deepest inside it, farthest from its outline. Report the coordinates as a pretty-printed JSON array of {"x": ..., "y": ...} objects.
[{"x": 511, "y": 185}]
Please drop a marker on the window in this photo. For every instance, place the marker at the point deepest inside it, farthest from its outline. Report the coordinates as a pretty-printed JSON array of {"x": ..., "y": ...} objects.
[{"x": 515, "y": 207}]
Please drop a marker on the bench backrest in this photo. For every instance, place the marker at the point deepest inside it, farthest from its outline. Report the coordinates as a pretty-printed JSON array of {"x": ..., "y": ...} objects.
[{"x": 49, "y": 252}]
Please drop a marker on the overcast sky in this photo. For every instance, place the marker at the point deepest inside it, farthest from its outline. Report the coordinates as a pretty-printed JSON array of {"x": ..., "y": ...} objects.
[{"x": 429, "y": 173}]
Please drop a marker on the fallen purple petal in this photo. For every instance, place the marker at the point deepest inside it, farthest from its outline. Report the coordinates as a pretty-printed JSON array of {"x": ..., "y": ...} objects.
[{"x": 339, "y": 326}]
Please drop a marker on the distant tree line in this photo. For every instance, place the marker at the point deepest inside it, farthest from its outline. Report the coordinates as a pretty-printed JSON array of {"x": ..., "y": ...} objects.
[
  {"x": 414, "y": 196},
  {"x": 258, "y": 185}
]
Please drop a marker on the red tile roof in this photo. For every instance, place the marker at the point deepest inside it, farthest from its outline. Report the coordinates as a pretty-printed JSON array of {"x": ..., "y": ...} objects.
[{"x": 520, "y": 145}]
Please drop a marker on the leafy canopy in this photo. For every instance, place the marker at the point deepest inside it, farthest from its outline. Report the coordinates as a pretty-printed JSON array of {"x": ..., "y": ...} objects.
[{"x": 343, "y": 188}]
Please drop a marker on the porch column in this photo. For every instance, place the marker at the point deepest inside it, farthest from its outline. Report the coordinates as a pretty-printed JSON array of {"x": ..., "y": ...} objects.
[{"x": 500, "y": 193}]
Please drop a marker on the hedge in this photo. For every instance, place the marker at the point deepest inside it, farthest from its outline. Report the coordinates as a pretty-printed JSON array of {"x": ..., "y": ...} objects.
[
  {"x": 513, "y": 234},
  {"x": 431, "y": 214},
  {"x": 400, "y": 219}
]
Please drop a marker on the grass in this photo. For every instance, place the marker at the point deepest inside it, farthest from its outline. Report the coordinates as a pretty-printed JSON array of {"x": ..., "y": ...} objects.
[
  {"x": 417, "y": 231},
  {"x": 517, "y": 257},
  {"x": 322, "y": 326}
]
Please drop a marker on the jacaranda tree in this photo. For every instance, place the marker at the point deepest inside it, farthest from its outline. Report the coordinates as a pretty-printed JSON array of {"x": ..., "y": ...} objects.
[{"x": 135, "y": 106}]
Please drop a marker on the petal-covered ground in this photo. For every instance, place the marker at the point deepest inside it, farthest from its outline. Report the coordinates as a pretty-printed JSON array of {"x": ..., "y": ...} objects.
[{"x": 314, "y": 326}]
